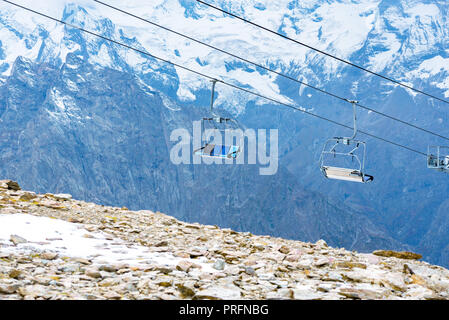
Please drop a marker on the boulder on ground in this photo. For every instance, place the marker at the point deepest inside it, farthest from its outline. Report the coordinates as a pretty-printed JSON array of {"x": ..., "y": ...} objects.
[{"x": 396, "y": 254}]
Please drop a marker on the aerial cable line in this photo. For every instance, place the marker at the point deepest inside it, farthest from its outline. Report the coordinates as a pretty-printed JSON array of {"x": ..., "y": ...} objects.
[
  {"x": 271, "y": 70},
  {"x": 210, "y": 77},
  {"x": 323, "y": 52}
]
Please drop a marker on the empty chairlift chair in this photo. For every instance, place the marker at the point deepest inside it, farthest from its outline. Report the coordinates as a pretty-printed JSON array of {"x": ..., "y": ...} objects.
[
  {"x": 438, "y": 158},
  {"x": 221, "y": 124},
  {"x": 343, "y": 158}
]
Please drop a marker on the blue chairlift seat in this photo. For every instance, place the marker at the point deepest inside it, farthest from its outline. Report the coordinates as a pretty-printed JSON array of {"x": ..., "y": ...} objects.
[{"x": 218, "y": 151}]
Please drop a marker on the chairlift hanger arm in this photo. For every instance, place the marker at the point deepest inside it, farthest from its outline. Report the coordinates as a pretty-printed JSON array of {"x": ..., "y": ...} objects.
[
  {"x": 214, "y": 81},
  {"x": 354, "y": 103}
]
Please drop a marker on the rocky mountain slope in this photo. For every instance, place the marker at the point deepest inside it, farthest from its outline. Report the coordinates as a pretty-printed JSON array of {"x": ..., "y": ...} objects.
[{"x": 54, "y": 247}]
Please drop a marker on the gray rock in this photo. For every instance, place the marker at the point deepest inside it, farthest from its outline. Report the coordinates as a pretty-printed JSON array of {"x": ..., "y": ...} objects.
[
  {"x": 70, "y": 268},
  {"x": 15, "y": 273},
  {"x": 321, "y": 243},
  {"x": 185, "y": 291},
  {"x": 304, "y": 294},
  {"x": 111, "y": 295},
  {"x": 281, "y": 294},
  {"x": 13, "y": 185},
  {"x": 27, "y": 196},
  {"x": 17, "y": 239},
  {"x": 266, "y": 276},
  {"x": 82, "y": 261},
  {"x": 130, "y": 287},
  {"x": 108, "y": 268},
  {"x": 250, "y": 271},
  {"x": 93, "y": 273},
  {"x": 62, "y": 196},
  {"x": 9, "y": 288},
  {"x": 321, "y": 262},
  {"x": 49, "y": 255},
  {"x": 184, "y": 265},
  {"x": 219, "y": 264},
  {"x": 219, "y": 293},
  {"x": 232, "y": 271}
]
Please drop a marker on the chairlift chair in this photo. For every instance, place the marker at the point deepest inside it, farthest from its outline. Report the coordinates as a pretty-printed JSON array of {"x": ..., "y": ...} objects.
[
  {"x": 217, "y": 122},
  {"x": 345, "y": 148},
  {"x": 438, "y": 158}
]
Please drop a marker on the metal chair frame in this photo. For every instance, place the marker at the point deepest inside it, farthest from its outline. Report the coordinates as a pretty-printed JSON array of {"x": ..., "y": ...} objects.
[
  {"x": 217, "y": 120},
  {"x": 348, "y": 174}
]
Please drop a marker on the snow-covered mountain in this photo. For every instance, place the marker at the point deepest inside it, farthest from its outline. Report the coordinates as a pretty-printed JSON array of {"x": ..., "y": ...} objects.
[
  {"x": 72, "y": 87},
  {"x": 404, "y": 39}
]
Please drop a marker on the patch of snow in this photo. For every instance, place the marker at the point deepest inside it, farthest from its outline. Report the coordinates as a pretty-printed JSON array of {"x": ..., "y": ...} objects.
[
  {"x": 422, "y": 10},
  {"x": 443, "y": 85},
  {"x": 433, "y": 66},
  {"x": 145, "y": 87},
  {"x": 168, "y": 103},
  {"x": 102, "y": 58},
  {"x": 58, "y": 99},
  {"x": 71, "y": 85},
  {"x": 72, "y": 240},
  {"x": 185, "y": 94}
]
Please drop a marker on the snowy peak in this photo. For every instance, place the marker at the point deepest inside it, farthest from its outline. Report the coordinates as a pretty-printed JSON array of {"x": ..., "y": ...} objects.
[
  {"x": 74, "y": 13},
  {"x": 391, "y": 37}
]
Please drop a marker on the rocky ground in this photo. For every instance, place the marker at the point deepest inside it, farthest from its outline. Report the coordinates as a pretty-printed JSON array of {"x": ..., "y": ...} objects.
[{"x": 159, "y": 257}]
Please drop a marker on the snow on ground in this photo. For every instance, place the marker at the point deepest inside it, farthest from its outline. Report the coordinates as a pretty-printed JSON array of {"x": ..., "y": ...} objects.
[{"x": 72, "y": 240}]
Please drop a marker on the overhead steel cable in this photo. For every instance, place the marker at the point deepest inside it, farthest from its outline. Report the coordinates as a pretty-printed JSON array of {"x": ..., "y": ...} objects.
[
  {"x": 270, "y": 70},
  {"x": 209, "y": 77},
  {"x": 322, "y": 52}
]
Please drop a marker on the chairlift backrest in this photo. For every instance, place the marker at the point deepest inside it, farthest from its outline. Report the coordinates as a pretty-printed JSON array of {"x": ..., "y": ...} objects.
[
  {"x": 218, "y": 151},
  {"x": 446, "y": 161},
  {"x": 438, "y": 158}
]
